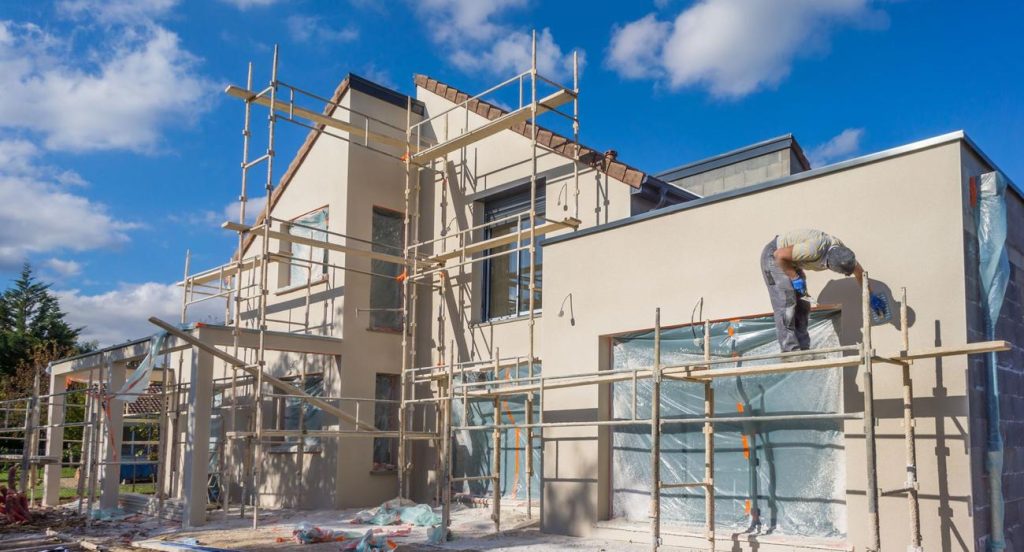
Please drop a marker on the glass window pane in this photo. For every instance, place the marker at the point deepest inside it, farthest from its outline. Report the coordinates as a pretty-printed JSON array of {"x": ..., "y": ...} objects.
[
  {"x": 300, "y": 271},
  {"x": 502, "y": 275},
  {"x": 385, "y": 289},
  {"x": 385, "y": 417},
  {"x": 507, "y": 284}
]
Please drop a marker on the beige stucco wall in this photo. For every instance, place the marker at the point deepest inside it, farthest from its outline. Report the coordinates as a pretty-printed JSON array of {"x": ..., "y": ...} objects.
[
  {"x": 448, "y": 202},
  {"x": 902, "y": 216},
  {"x": 453, "y": 202},
  {"x": 350, "y": 180}
]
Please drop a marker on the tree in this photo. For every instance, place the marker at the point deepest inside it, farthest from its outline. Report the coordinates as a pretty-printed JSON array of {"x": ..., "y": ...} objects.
[{"x": 31, "y": 322}]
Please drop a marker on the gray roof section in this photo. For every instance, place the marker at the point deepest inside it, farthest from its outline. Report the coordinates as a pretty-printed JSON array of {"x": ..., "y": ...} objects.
[
  {"x": 957, "y": 136},
  {"x": 785, "y": 141}
]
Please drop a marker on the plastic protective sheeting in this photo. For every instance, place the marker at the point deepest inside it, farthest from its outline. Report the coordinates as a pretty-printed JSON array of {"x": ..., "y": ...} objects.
[
  {"x": 138, "y": 383},
  {"x": 994, "y": 273},
  {"x": 299, "y": 272},
  {"x": 474, "y": 450},
  {"x": 784, "y": 477},
  {"x": 313, "y": 417}
]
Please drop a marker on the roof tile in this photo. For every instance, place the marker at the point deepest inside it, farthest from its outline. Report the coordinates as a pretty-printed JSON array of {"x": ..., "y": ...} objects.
[{"x": 560, "y": 144}]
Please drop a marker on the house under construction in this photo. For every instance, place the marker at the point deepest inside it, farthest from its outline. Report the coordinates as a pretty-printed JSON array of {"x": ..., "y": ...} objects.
[{"x": 449, "y": 297}]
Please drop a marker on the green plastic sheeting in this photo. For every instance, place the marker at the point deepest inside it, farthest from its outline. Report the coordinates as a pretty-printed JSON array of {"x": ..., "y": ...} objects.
[{"x": 785, "y": 477}]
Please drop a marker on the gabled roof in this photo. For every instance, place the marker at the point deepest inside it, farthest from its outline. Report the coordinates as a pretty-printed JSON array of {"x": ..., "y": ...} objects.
[
  {"x": 350, "y": 82},
  {"x": 558, "y": 143}
]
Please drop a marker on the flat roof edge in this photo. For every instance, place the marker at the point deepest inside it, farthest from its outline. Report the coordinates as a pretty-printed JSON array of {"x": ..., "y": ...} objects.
[{"x": 928, "y": 143}]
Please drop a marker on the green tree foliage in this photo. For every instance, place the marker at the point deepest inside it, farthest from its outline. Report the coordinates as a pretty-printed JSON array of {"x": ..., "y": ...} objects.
[{"x": 32, "y": 325}]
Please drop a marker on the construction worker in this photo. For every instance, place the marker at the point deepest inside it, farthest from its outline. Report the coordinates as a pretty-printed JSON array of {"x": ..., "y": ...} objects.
[{"x": 783, "y": 262}]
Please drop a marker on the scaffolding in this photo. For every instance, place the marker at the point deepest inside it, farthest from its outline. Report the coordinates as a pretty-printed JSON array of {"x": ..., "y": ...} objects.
[{"x": 428, "y": 392}]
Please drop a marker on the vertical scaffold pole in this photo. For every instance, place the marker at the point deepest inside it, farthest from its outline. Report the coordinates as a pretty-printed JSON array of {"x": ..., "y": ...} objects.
[
  {"x": 446, "y": 445},
  {"x": 709, "y": 446},
  {"x": 533, "y": 272},
  {"x": 261, "y": 351},
  {"x": 656, "y": 436},
  {"x": 576, "y": 131},
  {"x": 867, "y": 352},
  {"x": 236, "y": 328},
  {"x": 406, "y": 302},
  {"x": 496, "y": 454},
  {"x": 909, "y": 430}
]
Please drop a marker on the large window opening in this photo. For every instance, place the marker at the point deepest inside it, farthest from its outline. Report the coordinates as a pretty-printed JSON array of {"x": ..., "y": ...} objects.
[
  {"x": 507, "y": 277},
  {"x": 385, "y": 418},
  {"x": 385, "y": 289},
  {"x": 308, "y": 264}
]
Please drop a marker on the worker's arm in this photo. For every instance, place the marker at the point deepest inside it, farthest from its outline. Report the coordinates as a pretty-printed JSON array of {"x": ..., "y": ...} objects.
[
  {"x": 858, "y": 273},
  {"x": 784, "y": 258}
]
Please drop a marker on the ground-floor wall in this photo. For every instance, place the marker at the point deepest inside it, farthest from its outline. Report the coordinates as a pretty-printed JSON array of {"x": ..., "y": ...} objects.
[{"x": 901, "y": 215}]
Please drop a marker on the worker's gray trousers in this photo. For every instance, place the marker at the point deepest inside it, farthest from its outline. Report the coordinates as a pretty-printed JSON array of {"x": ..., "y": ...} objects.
[{"x": 791, "y": 312}]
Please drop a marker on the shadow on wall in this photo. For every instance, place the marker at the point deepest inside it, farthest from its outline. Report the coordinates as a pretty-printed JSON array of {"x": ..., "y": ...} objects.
[
  {"x": 930, "y": 402},
  {"x": 569, "y": 501}
]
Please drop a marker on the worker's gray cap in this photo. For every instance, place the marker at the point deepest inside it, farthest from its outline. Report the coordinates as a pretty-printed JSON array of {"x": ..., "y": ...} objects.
[{"x": 841, "y": 259}]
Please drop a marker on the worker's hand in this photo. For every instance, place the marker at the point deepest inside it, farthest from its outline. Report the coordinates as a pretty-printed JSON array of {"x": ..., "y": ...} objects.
[
  {"x": 799, "y": 286},
  {"x": 878, "y": 304}
]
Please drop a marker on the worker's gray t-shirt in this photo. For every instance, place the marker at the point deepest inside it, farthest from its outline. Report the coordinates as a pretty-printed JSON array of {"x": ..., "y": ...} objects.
[{"x": 809, "y": 247}]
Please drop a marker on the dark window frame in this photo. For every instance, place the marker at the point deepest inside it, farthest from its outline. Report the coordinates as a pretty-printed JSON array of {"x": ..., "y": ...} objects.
[
  {"x": 385, "y": 268},
  {"x": 511, "y": 201}
]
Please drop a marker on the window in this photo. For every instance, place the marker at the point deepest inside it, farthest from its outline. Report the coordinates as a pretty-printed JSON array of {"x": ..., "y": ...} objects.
[
  {"x": 385, "y": 289},
  {"x": 290, "y": 409},
  {"x": 310, "y": 263},
  {"x": 507, "y": 277},
  {"x": 385, "y": 417}
]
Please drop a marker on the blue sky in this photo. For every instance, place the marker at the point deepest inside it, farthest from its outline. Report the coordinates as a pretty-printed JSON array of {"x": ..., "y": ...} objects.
[{"x": 118, "y": 150}]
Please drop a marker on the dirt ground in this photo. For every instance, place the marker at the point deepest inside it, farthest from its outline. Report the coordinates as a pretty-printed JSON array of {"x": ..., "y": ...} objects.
[{"x": 472, "y": 530}]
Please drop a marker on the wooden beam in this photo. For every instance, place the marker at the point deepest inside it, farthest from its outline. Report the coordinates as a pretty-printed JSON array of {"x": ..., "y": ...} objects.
[
  {"x": 241, "y": 365},
  {"x": 284, "y": 107},
  {"x": 763, "y": 369},
  {"x": 968, "y": 349},
  {"x": 490, "y": 128},
  {"x": 215, "y": 274},
  {"x": 291, "y": 238},
  {"x": 477, "y": 247}
]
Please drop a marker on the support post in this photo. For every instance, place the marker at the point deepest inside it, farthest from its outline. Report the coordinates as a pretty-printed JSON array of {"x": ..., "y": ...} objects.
[
  {"x": 655, "y": 513},
  {"x": 111, "y": 469},
  {"x": 709, "y": 447},
  {"x": 874, "y": 542},
  {"x": 196, "y": 461},
  {"x": 54, "y": 440},
  {"x": 446, "y": 445},
  {"x": 909, "y": 430},
  {"x": 496, "y": 452}
]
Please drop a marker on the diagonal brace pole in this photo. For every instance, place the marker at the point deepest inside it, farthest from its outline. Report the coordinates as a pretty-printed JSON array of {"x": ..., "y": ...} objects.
[{"x": 282, "y": 385}]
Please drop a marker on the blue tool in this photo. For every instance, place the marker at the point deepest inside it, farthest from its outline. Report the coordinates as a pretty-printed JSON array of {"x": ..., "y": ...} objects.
[{"x": 880, "y": 311}]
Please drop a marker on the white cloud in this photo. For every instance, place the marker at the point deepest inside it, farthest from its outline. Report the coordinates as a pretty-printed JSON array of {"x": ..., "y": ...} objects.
[
  {"x": 837, "y": 148},
  {"x": 41, "y": 213},
  {"x": 121, "y": 314},
  {"x": 119, "y": 91},
  {"x": 253, "y": 207},
  {"x": 63, "y": 268},
  {"x": 477, "y": 40},
  {"x": 732, "y": 47},
  {"x": 308, "y": 28},
  {"x": 512, "y": 52},
  {"x": 631, "y": 54},
  {"x": 378, "y": 75},
  {"x": 246, "y": 4},
  {"x": 117, "y": 11}
]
